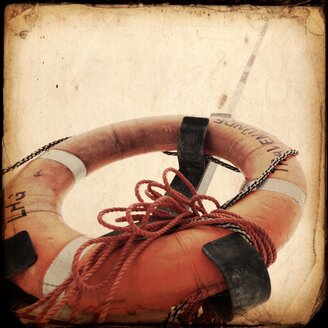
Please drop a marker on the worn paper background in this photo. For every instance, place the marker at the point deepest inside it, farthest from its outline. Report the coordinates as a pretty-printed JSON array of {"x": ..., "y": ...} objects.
[{"x": 70, "y": 68}]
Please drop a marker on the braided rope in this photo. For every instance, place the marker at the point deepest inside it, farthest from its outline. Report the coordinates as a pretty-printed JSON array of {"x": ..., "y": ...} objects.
[
  {"x": 33, "y": 155},
  {"x": 55, "y": 142},
  {"x": 254, "y": 185},
  {"x": 209, "y": 158},
  {"x": 257, "y": 183}
]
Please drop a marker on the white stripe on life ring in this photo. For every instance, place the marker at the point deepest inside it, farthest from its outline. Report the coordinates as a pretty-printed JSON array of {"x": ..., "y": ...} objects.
[
  {"x": 72, "y": 162},
  {"x": 283, "y": 187},
  {"x": 60, "y": 268}
]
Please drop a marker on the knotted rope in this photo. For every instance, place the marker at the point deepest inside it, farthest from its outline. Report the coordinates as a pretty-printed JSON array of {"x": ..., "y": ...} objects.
[{"x": 152, "y": 216}]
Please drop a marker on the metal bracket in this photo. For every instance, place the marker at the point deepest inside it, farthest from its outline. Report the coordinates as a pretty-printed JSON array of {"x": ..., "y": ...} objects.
[
  {"x": 245, "y": 274},
  {"x": 19, "y": 254}
]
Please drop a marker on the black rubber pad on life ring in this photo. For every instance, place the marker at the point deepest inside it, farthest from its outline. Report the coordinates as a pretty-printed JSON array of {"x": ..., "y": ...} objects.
[
  {"x": 190, "y": 148},
  {"x": 245, "y": 274},
  {"x": 19, "y": 254}
]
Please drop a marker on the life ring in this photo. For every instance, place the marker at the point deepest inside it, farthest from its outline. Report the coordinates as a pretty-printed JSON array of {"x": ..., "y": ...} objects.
[{"x": 33, "y": 203}]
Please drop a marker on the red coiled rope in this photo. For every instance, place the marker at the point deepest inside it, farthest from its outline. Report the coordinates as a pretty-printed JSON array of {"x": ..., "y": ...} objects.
[{"x": 147, "y": 221}]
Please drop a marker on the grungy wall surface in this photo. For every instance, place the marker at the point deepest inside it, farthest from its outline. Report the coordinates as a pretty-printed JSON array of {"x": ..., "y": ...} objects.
[{"x": 72, "y": 68}]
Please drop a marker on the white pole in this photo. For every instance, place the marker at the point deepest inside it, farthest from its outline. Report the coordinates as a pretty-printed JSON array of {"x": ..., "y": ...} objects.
[{"x": 211, "y": 167}]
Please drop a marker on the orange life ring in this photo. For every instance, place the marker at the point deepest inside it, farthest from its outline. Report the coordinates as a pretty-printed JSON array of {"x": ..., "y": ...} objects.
[{"x": 33, "y": 203}]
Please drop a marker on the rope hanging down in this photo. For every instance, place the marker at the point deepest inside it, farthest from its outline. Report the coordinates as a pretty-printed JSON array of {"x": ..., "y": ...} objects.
[{"x": 147, "y": 221}]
